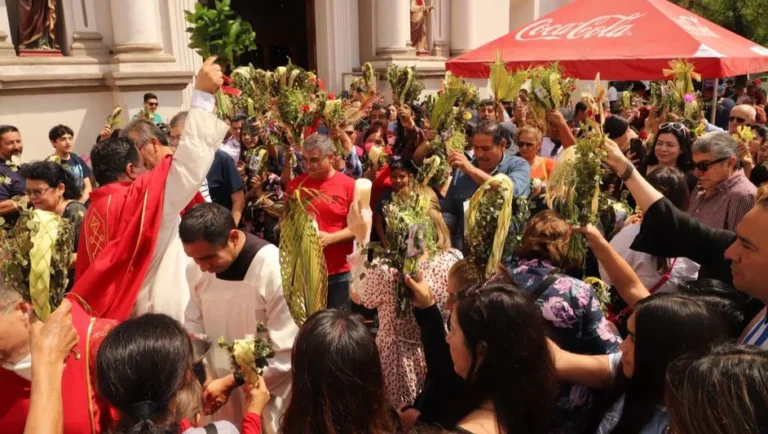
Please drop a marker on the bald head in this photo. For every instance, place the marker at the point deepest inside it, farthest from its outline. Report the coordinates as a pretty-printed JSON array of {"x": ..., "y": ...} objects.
[{"x": 741, "y": 115}]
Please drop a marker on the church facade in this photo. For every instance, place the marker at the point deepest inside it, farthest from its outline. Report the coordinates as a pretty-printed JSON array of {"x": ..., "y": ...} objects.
[{"x": 111, "y": 52}]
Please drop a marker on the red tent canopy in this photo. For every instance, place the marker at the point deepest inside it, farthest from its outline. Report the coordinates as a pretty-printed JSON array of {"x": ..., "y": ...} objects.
[{"x": 620, "y": 39}]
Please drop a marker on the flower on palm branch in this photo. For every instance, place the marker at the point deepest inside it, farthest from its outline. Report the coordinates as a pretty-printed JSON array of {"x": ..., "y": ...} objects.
[
  {"x": 551, "y": 89},
  {"x": 410, "y": 234},
  {"x": 250, "y": 355}
]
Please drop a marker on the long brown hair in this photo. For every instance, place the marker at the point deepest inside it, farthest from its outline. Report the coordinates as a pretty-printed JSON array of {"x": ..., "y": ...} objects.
[
  {"x": 443, "y": 241},
  {"x": 724, "y": 392},
  {"x": 338, "y": 385}
]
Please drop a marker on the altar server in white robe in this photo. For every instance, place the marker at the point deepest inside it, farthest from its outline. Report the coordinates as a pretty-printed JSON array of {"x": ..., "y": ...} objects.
[{"x": 235, "y": 282}]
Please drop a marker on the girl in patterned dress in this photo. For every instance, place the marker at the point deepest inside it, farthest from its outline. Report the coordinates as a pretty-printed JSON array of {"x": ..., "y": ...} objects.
[{"x": 398, "y": 339}]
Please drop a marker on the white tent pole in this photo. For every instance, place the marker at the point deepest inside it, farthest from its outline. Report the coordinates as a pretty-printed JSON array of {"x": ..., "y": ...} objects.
[{"x": 714, "y": 101}]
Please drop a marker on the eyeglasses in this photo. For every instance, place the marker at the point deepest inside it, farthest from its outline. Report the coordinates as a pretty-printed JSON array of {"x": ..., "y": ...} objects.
[
  {"x": 522, "y": 145},
  {"x": 36, "y": 192},
  {"x": 737, "y": 119},
  {"x": 704, "y": 165}
]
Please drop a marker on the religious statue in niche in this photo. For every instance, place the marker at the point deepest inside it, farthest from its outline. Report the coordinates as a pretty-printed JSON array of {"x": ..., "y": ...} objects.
[
  {"x": 37, "y": 27},
  {"x": 419, "y": 14}
]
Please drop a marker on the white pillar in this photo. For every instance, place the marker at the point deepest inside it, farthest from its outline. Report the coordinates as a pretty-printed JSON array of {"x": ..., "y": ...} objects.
[
  {"x": 186, "y": 58},
  {"x": 477, "y": 22},
  {"x": 337, "y": 40},
  {"x": 6, "y": 47},
  {"x": 83, "y": 36},
  {"x": 393, "y": 28},
  {"x": 442, "y": 28},
  {"x": 135, "y": 29},
  {"x": 522, "y": 12}
]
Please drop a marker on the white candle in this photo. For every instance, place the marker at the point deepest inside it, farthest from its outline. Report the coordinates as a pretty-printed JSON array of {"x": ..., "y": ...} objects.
[{"x": 363, "y": 193}]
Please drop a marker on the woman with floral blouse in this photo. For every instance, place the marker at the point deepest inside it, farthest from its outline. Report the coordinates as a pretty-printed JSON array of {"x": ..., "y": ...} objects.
[{"x": 569, "y": 305}]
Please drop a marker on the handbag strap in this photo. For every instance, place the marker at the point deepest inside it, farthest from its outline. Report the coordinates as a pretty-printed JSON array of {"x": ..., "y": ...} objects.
[
  {"x": 543, "y": 285},
  {"x": 664, "y": 279},
  {"x": 211, "y": 429}
]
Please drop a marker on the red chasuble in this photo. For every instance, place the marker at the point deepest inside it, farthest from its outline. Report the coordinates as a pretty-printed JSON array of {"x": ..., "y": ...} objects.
[
  {"x": 83, "y": 412},
  {"x": 195, "y": 200},
  {"x": 117, "y": 240}
]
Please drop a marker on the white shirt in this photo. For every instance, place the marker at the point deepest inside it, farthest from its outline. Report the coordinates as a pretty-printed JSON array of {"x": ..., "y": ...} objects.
[
  {"x": 205, "y": 191},
  {"x": 547, "y": 146},
  {"x": 612, "y": 94},
  {"x": 232, "y": 148},
  {"x": 231, "y": 309},
  {"x": 645, "y": 266},
  {"x": 164, "y": 288}
]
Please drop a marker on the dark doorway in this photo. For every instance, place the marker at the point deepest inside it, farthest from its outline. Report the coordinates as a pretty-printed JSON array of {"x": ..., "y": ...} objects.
[{"x": 284, "y": 29}]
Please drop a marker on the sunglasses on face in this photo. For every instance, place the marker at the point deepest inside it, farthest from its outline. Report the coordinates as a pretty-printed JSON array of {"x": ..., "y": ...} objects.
[
  {"x": 737, "y": 119},
  {"x": 349, "y": 133},
  {"x": 522, "y": 145},
  {"x": 704, "y": 165}
]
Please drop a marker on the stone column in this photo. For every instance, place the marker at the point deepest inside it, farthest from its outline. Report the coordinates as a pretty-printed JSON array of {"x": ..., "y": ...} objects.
[
  {"x": 86, "y": 40},
  {"x": 337, "y": 39},
  {"x": 186, "y": 59},
  {"x": 441, "y": 31},
  {"x": 136, "y": 32},
  {"x": 523, "y": 12},
  {"x": 393, "y": 28},
  {"x": 6, "y": 47},
  {"x": 477, "y": 22}
]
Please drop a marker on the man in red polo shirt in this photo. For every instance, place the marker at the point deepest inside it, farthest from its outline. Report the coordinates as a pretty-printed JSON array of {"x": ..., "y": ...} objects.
[{"x": 330, "y": 209}]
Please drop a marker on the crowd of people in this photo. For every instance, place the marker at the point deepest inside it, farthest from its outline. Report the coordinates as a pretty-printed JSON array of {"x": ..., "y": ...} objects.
[{"x": 177, "y": 236}]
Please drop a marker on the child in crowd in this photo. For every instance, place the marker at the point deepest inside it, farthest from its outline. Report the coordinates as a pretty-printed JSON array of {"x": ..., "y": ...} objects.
[{"x": 401, "y": 174}]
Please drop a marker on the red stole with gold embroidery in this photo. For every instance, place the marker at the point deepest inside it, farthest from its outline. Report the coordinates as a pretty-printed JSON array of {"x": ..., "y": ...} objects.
[{"x": 117, "y": 240}]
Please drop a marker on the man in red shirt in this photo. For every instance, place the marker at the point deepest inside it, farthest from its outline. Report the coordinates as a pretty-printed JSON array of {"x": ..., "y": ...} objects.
[{"x": 329, "y": 208}]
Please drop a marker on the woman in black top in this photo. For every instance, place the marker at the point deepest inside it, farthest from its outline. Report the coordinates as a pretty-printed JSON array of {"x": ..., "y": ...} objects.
[
  {"x": 672, "y": 148},
  {"x": 507, "y": 390},
  {"x": 52, "y": 188}
]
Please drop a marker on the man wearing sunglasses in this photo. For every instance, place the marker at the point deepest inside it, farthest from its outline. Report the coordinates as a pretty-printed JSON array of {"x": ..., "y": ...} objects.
[
  {"x": 724, "y": 194},
  {"x": 151, "y": 103},
  {"x": 741, "y": 116}
]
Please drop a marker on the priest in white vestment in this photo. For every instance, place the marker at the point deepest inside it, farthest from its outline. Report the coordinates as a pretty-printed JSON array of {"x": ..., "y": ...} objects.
[
  {"x": 235, "y": 282},
  {"x": 133, "y": 262}
]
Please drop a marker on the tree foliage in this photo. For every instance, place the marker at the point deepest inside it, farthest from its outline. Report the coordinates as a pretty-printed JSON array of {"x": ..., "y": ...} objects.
[
  {"x": 218, "y": 31},
  {"x": 744, "y": 17}
]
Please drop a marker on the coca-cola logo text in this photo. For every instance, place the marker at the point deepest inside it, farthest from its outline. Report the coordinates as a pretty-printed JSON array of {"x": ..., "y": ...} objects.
[
  {"x": 606, "y": 26},
  {"x": 695, "y": 28}
]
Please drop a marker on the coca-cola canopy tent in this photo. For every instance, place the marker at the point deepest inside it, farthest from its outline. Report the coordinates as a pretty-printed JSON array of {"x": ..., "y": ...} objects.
[{"x": 620, "y": 39}]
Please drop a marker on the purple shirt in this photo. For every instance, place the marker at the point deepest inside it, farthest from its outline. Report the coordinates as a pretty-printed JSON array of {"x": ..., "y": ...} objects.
[{"x": 732, "y": 199}]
